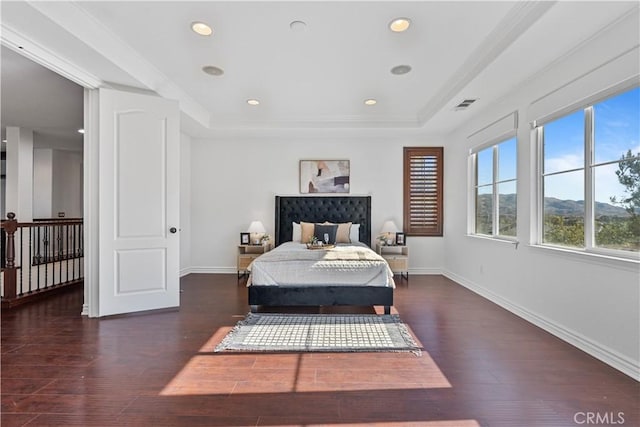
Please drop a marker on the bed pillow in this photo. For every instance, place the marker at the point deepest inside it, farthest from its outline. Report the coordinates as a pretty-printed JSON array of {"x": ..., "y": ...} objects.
[
  {"x": 330, "y": 229},
  {"x": 354, "y": 233},
  {"x": 342, "y": 235},
  {"x": 296, "y": 236},
  {"x": 306, "y": 231}
]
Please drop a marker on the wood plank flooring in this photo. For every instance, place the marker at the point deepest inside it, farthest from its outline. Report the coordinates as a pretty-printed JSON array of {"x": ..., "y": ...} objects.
[{"x": 482, "y": 366}]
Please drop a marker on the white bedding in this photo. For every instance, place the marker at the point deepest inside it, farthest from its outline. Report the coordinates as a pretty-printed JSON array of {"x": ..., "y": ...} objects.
[{"x": 292, "y": 264}]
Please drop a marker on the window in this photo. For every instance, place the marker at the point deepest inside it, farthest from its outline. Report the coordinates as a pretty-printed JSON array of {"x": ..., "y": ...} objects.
[
  {"x": 423, "y": 176},
  {"x": 495, "y": 189},
  {"x": 590, "y": 176}
]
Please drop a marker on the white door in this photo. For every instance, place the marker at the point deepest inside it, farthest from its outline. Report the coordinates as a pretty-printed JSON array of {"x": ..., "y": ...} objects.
[{"x": 139, "y": 203}]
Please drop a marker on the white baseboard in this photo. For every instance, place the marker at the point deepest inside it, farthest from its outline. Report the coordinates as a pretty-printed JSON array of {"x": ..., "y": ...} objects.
[
  {"x": 213, "y": 270},
  {"x": 595, "y": 349},
  {"x": 425, "y": 271}
]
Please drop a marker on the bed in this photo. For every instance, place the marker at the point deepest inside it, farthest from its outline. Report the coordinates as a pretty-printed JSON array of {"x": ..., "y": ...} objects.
[{"x": 265, "y": 289}]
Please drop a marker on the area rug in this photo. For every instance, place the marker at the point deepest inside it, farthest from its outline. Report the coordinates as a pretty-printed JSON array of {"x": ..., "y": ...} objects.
[{"x": 319, "y": 333}]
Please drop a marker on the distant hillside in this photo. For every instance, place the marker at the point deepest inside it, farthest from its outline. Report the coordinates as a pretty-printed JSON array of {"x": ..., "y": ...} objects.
[{"x": 555, "y": 206}]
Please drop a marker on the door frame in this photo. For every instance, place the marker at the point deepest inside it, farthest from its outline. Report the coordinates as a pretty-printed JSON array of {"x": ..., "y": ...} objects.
[
  {"x": 41, "y": 56},
  {"x": 91, "y": 178},
  {"x": 90, "y": 306}
]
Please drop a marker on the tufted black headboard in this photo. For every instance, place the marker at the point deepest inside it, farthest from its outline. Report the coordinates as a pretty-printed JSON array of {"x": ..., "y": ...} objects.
[{"x": 289, "y": 209}]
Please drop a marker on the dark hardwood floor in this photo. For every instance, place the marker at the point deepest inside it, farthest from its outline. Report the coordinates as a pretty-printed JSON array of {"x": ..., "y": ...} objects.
[{"x": 482, "y": 366}]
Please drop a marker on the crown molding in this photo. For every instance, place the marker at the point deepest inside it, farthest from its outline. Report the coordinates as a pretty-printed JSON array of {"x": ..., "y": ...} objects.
[
  {"x": 85, "y": 27},
  {"x": 316, "y": 122},
  {"x": 519, "y": 19},
  {"x": 629, "y": 17},
  {"x": 28, "y": 48}
]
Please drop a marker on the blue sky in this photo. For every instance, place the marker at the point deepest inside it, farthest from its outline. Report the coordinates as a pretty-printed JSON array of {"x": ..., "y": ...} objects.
[
  {"x": 506, "y": 163},
  {"x": 617, "y": 130}
]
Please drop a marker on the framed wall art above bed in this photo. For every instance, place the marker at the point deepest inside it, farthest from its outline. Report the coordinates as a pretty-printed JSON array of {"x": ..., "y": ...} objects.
[{"x": 324, "y": 176}]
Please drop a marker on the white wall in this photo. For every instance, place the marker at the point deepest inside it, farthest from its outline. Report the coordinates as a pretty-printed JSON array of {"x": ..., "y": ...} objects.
[
  {"x": 185, "y": 204},
  {"x": 234, "y": 180},
  {"x": 592, "y": 302},
  {"x": 57, "y": 183},
  {"x": 67, "y": 184},
  {"x": 42, "y": 182}
]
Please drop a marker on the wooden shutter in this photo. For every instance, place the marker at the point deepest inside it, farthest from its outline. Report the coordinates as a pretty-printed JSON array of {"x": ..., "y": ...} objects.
[{"x": 423, "y": 176}]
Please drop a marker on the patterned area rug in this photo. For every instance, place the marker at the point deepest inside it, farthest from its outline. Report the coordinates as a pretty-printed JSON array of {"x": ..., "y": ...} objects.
[{"x": 319, "y": 333}]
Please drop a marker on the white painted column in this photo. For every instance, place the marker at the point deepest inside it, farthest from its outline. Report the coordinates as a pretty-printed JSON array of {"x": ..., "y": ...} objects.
[{"x": 19, "y": 197}]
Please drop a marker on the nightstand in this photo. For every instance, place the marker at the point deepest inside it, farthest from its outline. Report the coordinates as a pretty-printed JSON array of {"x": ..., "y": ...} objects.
[
  {"x": 247, "y": 253},
  {"x": 397, "y": 257}
]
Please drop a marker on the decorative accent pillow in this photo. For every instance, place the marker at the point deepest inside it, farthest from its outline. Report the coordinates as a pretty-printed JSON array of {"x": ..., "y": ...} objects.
[
  {"x": 297, "y": 232},
  {"x": 342, "y": 235},
  {"x": 330, "y": 230},
  {"x": 307, "y": 231}
]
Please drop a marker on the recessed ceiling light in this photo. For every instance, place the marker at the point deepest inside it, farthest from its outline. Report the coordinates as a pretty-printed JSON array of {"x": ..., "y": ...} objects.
[
  {"x": 201, "y": 28},
  {"x": 298, "y": 26},
  {"x": 370, "y": 101},
  {"x": 80, "y": 130},
  {"x": 399, "y": 25},
  {"x": 4, "y": 140},
  {"x": 212, "y": 70},
  {"x": 400, "y": 69},
  {"x": 253, "y": 102}
]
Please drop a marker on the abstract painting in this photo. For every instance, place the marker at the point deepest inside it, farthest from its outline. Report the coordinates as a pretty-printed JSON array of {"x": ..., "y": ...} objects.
[{"x": 324, "y": 176}]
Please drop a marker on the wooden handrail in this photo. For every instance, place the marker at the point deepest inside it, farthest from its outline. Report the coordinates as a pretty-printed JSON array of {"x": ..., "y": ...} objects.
[
  {"x": 57, "y": 220},
  {"x": 44, "y": 223},
  {"x": 39, "y": 258},
  {"x": 67, "y": 221}
]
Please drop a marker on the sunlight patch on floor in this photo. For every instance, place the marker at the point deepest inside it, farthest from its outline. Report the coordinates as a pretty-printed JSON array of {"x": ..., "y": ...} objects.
[
  {"x": 425, "y": 423},
  {"x": 231, "y": 373}
]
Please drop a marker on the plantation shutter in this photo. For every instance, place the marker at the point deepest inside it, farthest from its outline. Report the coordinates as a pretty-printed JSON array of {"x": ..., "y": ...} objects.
[{"x": 423, "y": 175}]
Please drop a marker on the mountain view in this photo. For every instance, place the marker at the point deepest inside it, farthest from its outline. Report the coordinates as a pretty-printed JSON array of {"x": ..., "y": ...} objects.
[
  {"x": 615, "y": 228},
  {"x": 553, "y": 206}
]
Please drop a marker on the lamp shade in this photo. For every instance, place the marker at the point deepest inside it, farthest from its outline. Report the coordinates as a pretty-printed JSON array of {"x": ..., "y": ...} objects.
[
  {"x": 389, "y": 227},
  {"x": 256, "y": 227}
]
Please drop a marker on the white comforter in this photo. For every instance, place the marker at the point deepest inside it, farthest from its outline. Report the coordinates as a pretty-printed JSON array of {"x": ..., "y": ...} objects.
[{"x": 292, "y": 264}]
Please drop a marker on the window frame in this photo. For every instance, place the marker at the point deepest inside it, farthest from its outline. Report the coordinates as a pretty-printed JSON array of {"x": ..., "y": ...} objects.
[
  {"x": 408, "y": 154},
  {"x": 588, "y": 166},
  {"x": 493, "y": 144}
]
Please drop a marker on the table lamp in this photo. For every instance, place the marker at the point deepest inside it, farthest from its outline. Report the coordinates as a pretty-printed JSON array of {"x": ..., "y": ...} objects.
[
  {"x": 257, "y": 230},
  {"x": 389, "y": 227}
]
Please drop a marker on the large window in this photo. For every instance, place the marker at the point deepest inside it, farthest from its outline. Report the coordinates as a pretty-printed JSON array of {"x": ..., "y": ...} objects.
[
  {"x": 495, "y": 189},
  {"x": 423, "y": 176},
  {"x": 590, "y": 176}
]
